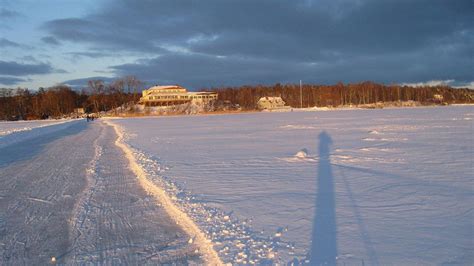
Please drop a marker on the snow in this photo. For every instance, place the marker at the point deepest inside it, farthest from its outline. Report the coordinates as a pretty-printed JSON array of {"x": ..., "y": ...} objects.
[
  {"x": 9, "y": 127},
  {"x": 14, "y": 132},
  {"x": 163, "y": 87},
  {"x": 355, "y": 187},
  {"x": 209, "y": 255},
  {"x": 391, "y": 186},
  {"x": 67, "y": 196}
]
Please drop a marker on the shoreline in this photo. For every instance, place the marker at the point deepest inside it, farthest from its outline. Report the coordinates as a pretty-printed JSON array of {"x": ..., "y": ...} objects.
[
  {"x": 307, "y": 109},
  {"x": 236, "y": 112}
]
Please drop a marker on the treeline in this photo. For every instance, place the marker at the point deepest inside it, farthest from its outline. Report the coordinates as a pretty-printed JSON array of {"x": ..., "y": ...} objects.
[
  {"x": 343, "y": 94},
  {"x": 60, "y": 101}
]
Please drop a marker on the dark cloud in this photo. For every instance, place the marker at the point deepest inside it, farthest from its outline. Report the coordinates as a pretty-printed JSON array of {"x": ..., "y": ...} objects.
[
  {"x": 102, "y": 34},
  {"x": 19, "y": 69},
  {"x": 7, "y": 43},
  {"x": 237, "y": 42},
  {"x": 11, "y": 80},
  {"x": 198, "y": 70},
  {"x": 50, "y": 40}
]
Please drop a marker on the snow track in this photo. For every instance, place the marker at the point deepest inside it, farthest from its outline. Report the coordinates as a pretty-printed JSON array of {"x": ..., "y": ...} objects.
[
  {"x": 70, "y": 195},
  {"x": 39, "y": 179},
  {"x": 204, "y": 245}
]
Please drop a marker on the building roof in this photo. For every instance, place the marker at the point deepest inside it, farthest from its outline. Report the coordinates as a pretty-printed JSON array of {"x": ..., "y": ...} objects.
[
  {"x": 201, "y": 92},
  {"x": 164, "y": 87}
]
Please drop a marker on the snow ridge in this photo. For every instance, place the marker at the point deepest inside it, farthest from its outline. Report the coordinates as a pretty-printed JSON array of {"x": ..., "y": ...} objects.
[
  {"x": 81, "y": 209},
  {"x": 197, "y": 236},
  {"x": 234, "y": 239}
]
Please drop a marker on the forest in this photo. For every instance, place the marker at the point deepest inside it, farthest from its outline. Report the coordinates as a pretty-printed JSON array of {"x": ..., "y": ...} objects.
[
  {"x": 60, "y": 101},
  {"x": 344, "y": 94}
]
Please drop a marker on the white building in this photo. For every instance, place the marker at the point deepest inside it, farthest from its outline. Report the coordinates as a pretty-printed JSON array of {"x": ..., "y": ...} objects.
[{"x": 173, "y": 95}]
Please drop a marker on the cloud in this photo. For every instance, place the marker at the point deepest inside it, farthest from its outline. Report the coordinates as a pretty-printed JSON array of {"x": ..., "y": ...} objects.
[
  {"x": 50, "y": 40},
  {"x": 99, "y": 33},
  {"x": 28, "y": 58},
  {"x": 89, "y": 54},
  {"x": 281, "y": 26},
  {"x": 6, "y": 17},
  {"x": 450, "y": 82},
  {"x": 430, "y": 83},
  {"x": 10, "y": 80},
  {"x": 7, "y": 43},
  {"x": 82, "y": 82},
  {"x": 240, "y": 42},
  {"x": 8, "y": 13},
  {"x": 19, "y": 69},
  {"x": 198, "y": 69},
  {"x": 469, "y": 85}
]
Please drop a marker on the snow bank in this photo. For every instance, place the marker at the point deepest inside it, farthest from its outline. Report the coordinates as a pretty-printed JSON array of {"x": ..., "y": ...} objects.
[{"x": 181, "y": 218}]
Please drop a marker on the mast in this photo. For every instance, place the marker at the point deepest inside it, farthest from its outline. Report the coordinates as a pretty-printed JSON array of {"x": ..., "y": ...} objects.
[{"x": 301, "y": 95}]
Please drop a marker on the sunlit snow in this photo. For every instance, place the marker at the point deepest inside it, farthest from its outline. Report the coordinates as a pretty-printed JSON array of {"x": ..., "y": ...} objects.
[{"x": 392, "y": 186}]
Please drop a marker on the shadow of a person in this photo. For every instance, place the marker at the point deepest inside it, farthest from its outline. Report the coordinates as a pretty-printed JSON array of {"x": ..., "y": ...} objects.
[{"x": 324, "y": 242}]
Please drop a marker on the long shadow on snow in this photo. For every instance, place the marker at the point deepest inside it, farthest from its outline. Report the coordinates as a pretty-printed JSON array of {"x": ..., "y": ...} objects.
[
  {"x": 324, "y": 241},
  {"x": 29, "y": 148}
]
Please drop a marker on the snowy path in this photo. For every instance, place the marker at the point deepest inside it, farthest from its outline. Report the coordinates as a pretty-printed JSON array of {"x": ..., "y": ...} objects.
[{"x": 69, "y": 194}]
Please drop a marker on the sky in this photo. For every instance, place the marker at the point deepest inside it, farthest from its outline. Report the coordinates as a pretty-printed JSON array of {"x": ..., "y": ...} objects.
[{"x": 211, "y": 43}]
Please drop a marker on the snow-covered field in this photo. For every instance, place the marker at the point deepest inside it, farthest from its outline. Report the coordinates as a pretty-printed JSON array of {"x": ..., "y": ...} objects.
[
  {"x": 392, "y": 186},
  {"x": 368, "y": 187}
]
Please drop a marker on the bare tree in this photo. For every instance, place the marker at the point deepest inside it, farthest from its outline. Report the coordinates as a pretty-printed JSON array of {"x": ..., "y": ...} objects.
[
  {"x": 96, "y": 88},
  {"x": 133, "y": 84}
]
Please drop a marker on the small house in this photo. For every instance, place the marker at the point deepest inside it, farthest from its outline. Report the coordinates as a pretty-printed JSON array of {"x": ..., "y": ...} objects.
[
  {"x": 271, "y": 103},
  {"x": 438, "y": 97},
  {"x": 79, "y": 111}
]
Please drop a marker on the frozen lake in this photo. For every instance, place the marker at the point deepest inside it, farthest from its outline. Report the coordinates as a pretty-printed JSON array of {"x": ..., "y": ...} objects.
[
  {"x": 13, "y": 132},
  {"x": 392, "y": 186},
  {"x": 9, "y": 127}
]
